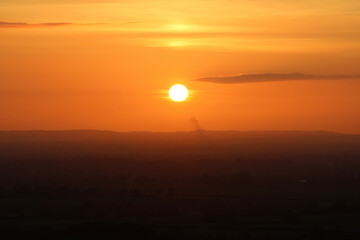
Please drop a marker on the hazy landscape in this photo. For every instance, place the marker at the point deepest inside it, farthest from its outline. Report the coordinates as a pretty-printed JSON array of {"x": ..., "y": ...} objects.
[{"x": 194, "y": 185}]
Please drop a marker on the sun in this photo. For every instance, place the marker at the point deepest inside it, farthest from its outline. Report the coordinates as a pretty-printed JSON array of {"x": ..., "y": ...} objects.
[{"x": 178, "y": 93}]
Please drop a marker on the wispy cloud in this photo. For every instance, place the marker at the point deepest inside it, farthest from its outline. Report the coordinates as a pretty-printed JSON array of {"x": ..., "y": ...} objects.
[
  {"x": 30, "y": 25},
  {"x": 57, "y": 24},
  {"x": 273, "y": 77}
]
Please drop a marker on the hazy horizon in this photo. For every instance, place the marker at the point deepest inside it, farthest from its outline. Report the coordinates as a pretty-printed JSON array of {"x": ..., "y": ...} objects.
[{"x": 180, "y": 131}]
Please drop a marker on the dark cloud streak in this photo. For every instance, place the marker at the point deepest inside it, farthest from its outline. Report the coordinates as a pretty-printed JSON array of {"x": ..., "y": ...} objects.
[
  {"x": 28, "y": 25},
  {"x": 273, "y": 77},
  {"x": 54, "y": 24}
]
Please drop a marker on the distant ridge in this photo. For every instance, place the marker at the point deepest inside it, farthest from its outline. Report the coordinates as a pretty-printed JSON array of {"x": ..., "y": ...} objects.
[
  {"x": 178, "y": 146},
  {"x": 87, "y": 131},
  {"x": 108, "y": 135}
]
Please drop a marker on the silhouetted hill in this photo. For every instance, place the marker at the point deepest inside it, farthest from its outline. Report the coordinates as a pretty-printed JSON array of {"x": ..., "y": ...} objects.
[
  {"x": 208, "y": 143},
  {"x": 100, "y": 135},
  {"x": 181, "y": 153}
]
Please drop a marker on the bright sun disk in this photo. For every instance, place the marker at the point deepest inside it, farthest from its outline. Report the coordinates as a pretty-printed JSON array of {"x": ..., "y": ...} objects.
[{"x": 178, "y": 92}]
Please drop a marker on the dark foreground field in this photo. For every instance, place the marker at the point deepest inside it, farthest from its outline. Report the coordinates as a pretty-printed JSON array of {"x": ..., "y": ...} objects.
[{"x": 195, "y": 185}]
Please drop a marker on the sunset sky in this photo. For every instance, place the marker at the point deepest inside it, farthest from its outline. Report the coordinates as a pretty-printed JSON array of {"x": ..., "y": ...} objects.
[{"x": 91, "y": 64}]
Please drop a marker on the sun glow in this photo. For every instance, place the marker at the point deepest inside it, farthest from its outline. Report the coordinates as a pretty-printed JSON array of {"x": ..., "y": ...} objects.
[{"x": 178, "y": 93}]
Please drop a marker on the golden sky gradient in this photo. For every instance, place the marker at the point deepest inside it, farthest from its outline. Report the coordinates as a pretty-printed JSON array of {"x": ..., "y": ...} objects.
[{"x": 67, "y": 64}]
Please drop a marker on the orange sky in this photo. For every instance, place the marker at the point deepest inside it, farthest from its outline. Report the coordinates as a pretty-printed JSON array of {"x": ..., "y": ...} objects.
[{"x": 111, "y": 64}]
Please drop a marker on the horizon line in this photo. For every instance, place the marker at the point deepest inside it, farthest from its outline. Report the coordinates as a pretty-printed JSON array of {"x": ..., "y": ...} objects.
[{"x": 182, "y": 131}]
